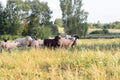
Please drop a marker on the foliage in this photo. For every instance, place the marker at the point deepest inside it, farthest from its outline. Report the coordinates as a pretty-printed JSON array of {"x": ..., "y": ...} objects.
[
  {"x": 54, "y": 29},
  {"x": 74, "y": 18},
  {"x": 43, "y": 32},
  {"x": 13, "y": 9},
  {"x": 91, "y": 26},
  {"x": 4, "y": 22},
  {"x": 115, "y": 25},
  {"x": 58, "y": 26},
  {"x": 58, "y": 22},
  {"x": 9, "y": 37},
  {"x": 40, "y": 16},
  {"x": 22, "y": 17},
  {"x": 104, "y": 31},
  {"x": 98, "y": 25}
]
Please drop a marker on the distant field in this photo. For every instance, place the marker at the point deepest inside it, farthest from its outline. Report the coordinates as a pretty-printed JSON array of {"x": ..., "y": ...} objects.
[{"x": 91, "y": 59}]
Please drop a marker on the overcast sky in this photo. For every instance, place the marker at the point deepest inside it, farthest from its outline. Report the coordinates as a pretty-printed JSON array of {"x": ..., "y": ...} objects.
[{"x": 103, "y": 10}]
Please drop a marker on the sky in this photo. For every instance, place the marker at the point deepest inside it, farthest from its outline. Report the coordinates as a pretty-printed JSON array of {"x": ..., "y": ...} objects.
[{"x": 105, "y": 11}]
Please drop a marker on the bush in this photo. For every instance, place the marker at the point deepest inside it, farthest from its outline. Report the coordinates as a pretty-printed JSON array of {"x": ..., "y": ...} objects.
[
  {"x": 9, "y": 37},
  {"x": 104, "y": 31},
  {"x": 44, "y": 32}
]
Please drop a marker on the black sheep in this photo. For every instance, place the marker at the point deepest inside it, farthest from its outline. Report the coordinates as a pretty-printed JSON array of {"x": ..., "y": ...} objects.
[{"x": 53, "y": 43}]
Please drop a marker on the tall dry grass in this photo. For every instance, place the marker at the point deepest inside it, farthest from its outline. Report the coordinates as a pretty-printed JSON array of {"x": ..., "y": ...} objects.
[{"x": 80, "y": 63}]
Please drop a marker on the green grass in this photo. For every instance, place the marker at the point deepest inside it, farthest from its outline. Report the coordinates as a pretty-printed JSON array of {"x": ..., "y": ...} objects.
[{"x": 80, "y": 63}]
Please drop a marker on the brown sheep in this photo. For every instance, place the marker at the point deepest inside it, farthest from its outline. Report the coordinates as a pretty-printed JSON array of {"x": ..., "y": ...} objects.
[
  {"x": 37, "y": 43},
  {"x": 68, "y": 42},
  {"x": 9, "y": 45}
]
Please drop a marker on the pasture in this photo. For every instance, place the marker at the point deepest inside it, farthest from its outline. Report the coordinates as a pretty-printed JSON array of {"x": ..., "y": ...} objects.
[{"x": 91, "y": 59}]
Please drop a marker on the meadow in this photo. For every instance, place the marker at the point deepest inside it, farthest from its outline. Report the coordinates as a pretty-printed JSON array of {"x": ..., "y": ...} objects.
[{"x": 91, "y": 59}]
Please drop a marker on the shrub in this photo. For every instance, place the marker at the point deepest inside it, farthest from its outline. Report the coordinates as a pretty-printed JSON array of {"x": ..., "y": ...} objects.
[
  {"x": 104, "y": 31},
  {"x": 9, "y": 37},
  {"x": 44, "y": 32}
]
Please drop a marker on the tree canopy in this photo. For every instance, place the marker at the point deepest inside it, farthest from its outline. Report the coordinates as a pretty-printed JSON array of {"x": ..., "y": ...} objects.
[
  {"x": 74, "y": 17},
  {"x": 24, "y": 17},
  {"x": 32, "y": 17}
]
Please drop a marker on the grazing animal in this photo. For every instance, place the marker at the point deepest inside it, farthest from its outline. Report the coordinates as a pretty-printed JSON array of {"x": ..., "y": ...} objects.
[
  {"x": 53, "y": 43},
  {"x": 40, "y": 42},
  {"x": 1, "y": 45},
  {"x": 37, "y": 43},
  {"x": 9, "y": 45},
  {"x": 5, "y": 39},
  {"x": 75, "y": 39},
  {"x": 68, "y": 37},
  {"x": 26, "y": 41},
  {"x": 68, "y": 42}
]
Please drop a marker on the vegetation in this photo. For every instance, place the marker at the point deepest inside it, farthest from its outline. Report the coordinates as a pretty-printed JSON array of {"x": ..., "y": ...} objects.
[
  {"x": 25, "y": 17},
  {"x": 74, "y": 17},
  {"x": 90, "y": 60},
  {"x": 98, "y": 25},
  {"x": 104, "y": 31}
]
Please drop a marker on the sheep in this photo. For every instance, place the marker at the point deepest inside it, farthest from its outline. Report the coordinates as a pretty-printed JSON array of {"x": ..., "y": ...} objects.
[
  {"x": 40, "y": 42},
  {"x": 24, "y": 41},
  {"x": 28, "y": 40},
  {"x": 5, "y": 39},
  {"x": 9, "y": 45},
  {"x": 1, "y": 45},
  {"x": 53, "y": 43},
  {"x": 68, "y": 42},
  {"x": 37, "y": 43},
  {"x": 68, "y": 37},
  {"x": 75, "y": 37}
]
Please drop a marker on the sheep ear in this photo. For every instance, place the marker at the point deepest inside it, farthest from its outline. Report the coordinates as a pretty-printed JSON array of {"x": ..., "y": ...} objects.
[
  {"x": 76, "y": 36},
  {"x": 5, "y": 40}
]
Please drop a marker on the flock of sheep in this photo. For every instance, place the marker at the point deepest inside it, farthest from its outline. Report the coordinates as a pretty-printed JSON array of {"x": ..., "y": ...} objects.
[{"x": 34, "y": 42}]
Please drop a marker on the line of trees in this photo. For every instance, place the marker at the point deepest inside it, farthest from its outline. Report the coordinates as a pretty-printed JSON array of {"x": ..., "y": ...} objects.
[
  {"x": 28, "y": 17},
  {"x": 98, "y": 25},
  {"x": 32, "y": 17}
]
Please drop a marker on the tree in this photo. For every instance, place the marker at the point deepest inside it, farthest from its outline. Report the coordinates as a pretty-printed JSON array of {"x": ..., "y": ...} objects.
[
  {"x": 40, "y": 16},
  {"x": 99, "y": 25},
  {"x": 58, "y": 22},
  {"x": 44, "y": 32},
  {"x": 74, "y": 18},
  {"x": 113, "y": 25},
  {"x": 91, "y": 26},
  {"x": 2, "y": 19},
  {"x": 13, "y": 9},
  {"x": 25, "y": 17},
  {"x": 58, "y": 25}
]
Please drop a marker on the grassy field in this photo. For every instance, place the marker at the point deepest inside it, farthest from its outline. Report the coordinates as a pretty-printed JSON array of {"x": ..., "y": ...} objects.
[{"x": 91, "y": 59}]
